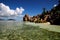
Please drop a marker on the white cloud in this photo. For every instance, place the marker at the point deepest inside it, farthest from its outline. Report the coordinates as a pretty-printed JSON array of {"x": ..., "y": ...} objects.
[
  {"x": 55, "y": 5},
  {"x": 5, "y": 11}
]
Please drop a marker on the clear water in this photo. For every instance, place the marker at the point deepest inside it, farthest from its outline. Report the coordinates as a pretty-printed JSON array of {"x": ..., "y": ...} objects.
[{"x": 13, "y": 30}]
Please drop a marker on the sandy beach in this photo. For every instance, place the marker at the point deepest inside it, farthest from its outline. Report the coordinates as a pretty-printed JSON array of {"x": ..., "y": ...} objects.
[{"x": 47, "y": 26}]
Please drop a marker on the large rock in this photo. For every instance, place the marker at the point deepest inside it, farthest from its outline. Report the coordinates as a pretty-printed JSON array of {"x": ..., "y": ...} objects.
[
  {"x": 52, "y": 16},
  {"x": 55, "y": 19},
  {"x": 26, "y": 17}
]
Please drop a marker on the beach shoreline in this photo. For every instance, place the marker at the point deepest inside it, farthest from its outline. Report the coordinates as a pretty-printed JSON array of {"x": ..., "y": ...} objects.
[{"x": 55, "y": 28}]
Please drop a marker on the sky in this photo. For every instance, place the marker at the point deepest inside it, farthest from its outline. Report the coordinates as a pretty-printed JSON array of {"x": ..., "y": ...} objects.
[{"x": 18, "y": 8}]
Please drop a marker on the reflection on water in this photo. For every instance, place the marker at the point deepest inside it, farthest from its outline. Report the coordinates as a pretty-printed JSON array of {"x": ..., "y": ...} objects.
[{"x": 13, "y": 30}]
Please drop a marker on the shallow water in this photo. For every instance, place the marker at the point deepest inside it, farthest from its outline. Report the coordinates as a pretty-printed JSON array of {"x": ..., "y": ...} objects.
[
  {"x": 14, "y": 30},
  {"x": 55, "y": 28}
]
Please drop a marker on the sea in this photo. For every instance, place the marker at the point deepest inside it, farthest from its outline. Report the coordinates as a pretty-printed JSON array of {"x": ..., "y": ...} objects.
[{"x": 19, "y": 30}]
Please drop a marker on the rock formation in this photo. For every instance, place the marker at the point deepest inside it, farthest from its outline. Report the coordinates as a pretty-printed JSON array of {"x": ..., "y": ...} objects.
[
  {"x": 26, "y": 18},
  {"x": 52, "y": 16},
  {"x": 55, "y": 15}
]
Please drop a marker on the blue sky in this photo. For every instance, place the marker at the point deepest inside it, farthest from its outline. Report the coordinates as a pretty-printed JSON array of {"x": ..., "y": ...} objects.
[{"x": 31, "y": 7}]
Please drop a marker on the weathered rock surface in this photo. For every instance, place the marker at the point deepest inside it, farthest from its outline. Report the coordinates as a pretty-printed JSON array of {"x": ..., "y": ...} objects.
[{"x": 52, "y": 16}]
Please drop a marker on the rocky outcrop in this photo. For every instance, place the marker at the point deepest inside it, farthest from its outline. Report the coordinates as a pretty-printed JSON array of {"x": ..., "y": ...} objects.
[
  {"x": 52, "y": 16},
  {"x": 55, "y": 19},
  {"x": 55, "y": 15},
  {"x": 26, "y": 18},
  {"x": 36, "y": 19}
]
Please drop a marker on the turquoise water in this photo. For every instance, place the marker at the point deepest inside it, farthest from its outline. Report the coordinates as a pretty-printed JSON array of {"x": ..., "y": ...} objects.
[{"x": 12, "y": 30}]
